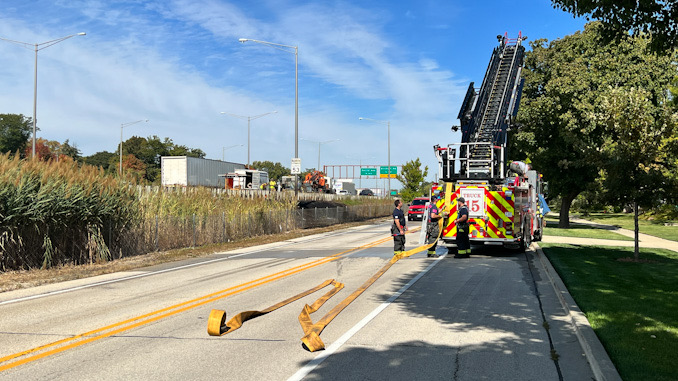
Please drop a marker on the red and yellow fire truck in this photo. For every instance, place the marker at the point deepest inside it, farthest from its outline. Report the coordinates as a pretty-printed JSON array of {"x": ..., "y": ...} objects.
[{"x": 505, "y": 200}]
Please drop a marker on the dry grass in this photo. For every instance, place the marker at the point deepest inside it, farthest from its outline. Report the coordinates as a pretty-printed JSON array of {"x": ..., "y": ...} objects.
[{"x": 14, "y": 280}]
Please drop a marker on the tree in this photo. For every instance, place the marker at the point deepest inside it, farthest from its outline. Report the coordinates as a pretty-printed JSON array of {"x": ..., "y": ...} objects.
[
  {"x": 102, "y": 159},
  {"x": 132, "y": 166},
  {"x": 658, "y": 18},
  {"x": 71, "y": 151},
  {"x": 639, "y": 150},
  {"x": 412, "y": 178},
  {"x": 42, "y": 150},
  {"x": 150, "y": 150},
  {"x": 564, "y": 82},
  {"x": 15, "y": 130},
  {"x": 275, "y": 171}
]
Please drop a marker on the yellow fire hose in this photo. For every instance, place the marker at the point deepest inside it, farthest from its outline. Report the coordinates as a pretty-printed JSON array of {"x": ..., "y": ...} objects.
[
  {"x": 216, "y": 326},
  {"x": 311, "y": 340}
]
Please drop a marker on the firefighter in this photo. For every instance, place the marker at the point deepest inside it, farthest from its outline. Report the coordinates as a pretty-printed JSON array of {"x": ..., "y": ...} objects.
[
  {"x": 398, "y": 228},
  {"x": 433, "y": 229},
  {"x": 463, "y": 245}
]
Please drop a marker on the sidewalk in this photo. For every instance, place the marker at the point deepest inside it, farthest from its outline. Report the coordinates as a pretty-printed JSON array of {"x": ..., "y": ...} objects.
[{"x": 645, "y": 240}]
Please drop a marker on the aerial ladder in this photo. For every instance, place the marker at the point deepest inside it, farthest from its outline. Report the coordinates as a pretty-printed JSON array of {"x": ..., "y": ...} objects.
[{"x": 503, "y": 209}]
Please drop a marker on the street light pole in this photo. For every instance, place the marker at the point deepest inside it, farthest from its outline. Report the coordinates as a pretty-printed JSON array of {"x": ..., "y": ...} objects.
[
  {"x": 319, "y": 143},
  {"x": 223, "y": 151},
  {"x": 388, "y": 125},
  {"x": 123, "y": 125},
  {"x": 286, "y": 48},
  {"x": 249, "y": 119},
  {"x": 36, "y": 48}
]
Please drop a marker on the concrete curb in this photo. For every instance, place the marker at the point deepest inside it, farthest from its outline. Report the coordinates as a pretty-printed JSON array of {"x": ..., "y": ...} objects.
[{"x": 601, "y": 365}]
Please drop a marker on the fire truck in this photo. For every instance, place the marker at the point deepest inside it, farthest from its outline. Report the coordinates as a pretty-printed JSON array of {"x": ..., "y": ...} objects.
[{"x": 504, "y": 199}]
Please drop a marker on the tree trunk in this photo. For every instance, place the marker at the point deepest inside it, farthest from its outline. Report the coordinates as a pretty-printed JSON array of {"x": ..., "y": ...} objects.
[
  {"x": 636, "y": 250},
  {"x": 565, "y": 204}
]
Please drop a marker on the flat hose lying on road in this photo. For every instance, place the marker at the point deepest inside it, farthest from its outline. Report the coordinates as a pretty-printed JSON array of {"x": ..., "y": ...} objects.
[
  {"x": 311, "y": 340},
  {"x": 216, "y": 326}
]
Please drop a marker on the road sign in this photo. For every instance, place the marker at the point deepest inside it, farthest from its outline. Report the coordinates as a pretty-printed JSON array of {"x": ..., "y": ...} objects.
[
  {"x": 296, "y": 166},
  {"x": 368, "y": 171},
  {"x": 384, "y": 170},
  {"x": 385, "y": 175}
]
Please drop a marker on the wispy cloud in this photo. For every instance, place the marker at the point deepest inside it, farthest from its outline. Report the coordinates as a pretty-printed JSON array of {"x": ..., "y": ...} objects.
[{"x": 178, "y": 64}]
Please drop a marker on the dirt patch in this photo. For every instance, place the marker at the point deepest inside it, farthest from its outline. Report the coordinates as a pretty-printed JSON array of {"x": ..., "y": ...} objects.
[
  {"x": 318, "y": 204},
  {"x": 14, "y": 280}
]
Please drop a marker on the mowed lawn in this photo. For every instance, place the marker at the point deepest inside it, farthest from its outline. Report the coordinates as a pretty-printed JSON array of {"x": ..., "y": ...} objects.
[{"x": 632, "y": 307}]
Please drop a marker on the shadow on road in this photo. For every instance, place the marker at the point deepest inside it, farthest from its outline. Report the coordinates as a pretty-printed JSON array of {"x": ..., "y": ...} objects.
[{"x": 477, "y": 318}]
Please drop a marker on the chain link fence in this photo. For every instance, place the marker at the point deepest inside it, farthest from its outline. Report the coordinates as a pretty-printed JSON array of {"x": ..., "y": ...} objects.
[{"x": 166, "y": 233}]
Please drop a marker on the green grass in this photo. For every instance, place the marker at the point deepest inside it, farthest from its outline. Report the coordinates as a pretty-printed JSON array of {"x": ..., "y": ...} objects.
[
  {"x": 625, "y": 221},
  {"x": 626, "y": 303},
  {"x": 582, "y": 231}
]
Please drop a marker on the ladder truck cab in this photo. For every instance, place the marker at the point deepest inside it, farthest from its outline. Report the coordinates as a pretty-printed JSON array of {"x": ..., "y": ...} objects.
[{"x": 504, "y": 200}]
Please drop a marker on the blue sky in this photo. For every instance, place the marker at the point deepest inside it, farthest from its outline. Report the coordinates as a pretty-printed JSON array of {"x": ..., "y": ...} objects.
[{"x": 179, "y": 64}]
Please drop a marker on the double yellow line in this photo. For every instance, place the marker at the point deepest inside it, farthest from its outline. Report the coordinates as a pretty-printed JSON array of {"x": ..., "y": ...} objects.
[{"x": 126, "y": 325}]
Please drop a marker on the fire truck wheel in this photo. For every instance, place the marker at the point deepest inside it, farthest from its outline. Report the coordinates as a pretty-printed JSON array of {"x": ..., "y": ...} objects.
[
  {"x": 452, "y": 250},
  {"x": 537, "y": 235},
  {"x": 527, "y": 235}
]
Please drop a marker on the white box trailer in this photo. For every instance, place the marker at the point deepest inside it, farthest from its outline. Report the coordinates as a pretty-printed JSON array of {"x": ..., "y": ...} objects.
[
  {"x": 247, "y": 179},
  {"x": 192, "y": 171},
  {"x": 344, "y": 185}
]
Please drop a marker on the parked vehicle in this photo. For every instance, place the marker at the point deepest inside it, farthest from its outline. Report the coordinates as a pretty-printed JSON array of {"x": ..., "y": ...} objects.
[
  {"x": 505, "y": 199},
  {"x": 415, "y": 209}
]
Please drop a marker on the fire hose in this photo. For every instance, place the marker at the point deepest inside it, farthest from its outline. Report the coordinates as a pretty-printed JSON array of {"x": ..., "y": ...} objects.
[{"x": 217, "y": 325}]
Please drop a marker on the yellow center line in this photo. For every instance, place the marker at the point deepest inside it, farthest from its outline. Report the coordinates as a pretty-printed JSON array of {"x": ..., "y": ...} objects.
[{"x": 172, "y": 310}]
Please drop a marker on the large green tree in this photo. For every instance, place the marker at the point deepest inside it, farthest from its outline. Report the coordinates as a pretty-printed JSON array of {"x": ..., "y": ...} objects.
[
  {"x": 275, "y": 170},
  {"x": 564, "y": 82},
  {"x": 656, "y": 17},
  {"x": 101, "y": 159},
  {"x": 150, "y": 150},
  {"x": 15, "y": 130},
  {"x": 70, "y": 150},
  {"x": 640, "y": 149},
  {"x": 413, "y": 180}
]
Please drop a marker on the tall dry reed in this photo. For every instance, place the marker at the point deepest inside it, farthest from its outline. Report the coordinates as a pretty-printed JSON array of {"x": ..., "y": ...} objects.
[{"x": 57, "y": 212}]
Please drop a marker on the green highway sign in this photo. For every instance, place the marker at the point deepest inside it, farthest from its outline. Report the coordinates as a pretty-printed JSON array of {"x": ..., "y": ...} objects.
[
  {"x": 384, "y": 170},
  {"x": 368, "y": 171}
]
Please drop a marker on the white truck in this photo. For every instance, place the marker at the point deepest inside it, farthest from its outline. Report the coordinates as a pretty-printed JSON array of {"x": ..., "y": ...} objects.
[
  {"x": 246, "y": 179},
  {"x": 343, "y": 186}
]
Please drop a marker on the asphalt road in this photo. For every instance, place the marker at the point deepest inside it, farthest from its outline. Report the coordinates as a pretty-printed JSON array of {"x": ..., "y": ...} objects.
[{"x": 474, "y": 319}]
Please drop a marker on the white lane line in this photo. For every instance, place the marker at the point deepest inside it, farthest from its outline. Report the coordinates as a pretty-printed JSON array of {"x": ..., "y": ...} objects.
[
  {"x": 308, "y": 368},
  {"x": 57, "y": 292}
]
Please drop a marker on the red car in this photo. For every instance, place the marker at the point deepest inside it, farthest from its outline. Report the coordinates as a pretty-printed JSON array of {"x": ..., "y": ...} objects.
[{"x": 415, "y": 210}]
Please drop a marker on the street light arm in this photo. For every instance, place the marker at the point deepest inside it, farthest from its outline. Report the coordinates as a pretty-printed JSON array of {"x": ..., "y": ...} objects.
[
  {"x": 123, "y": 125},
  {"x": 24, "y": 44},
  {"x": 384, "y": 122},
  {"x": 47, "y": 44},
  {"x": 262, "y": 115},
  {"x": 273, "y": 45},
  {"x": 249, "y": 117}
]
